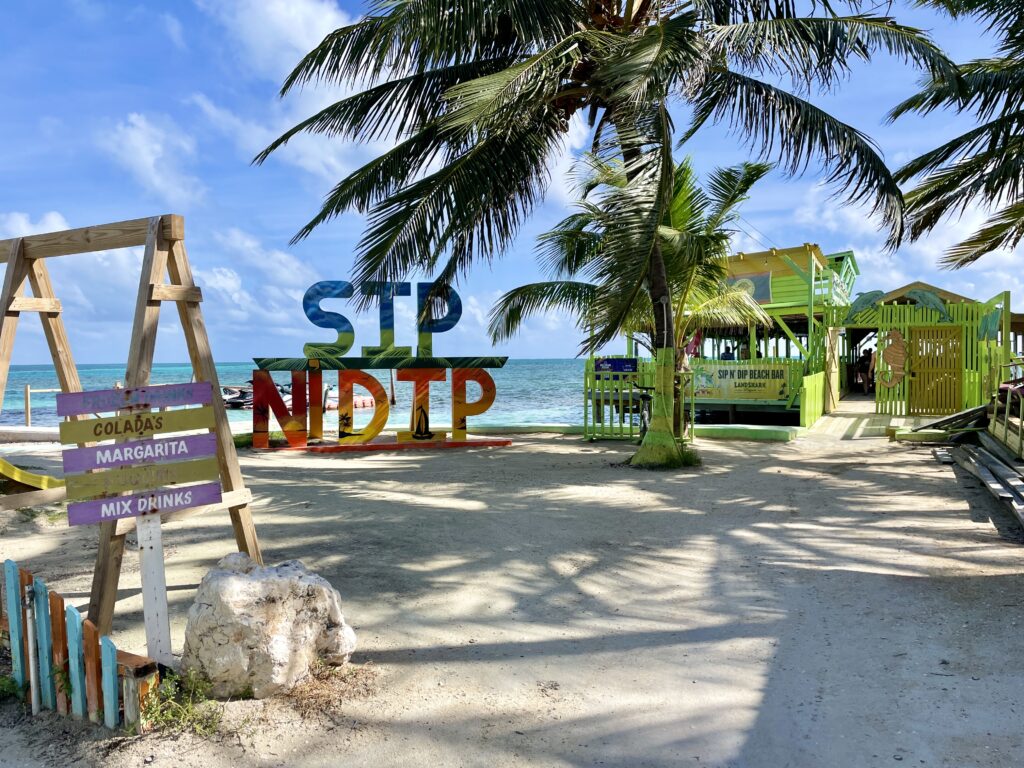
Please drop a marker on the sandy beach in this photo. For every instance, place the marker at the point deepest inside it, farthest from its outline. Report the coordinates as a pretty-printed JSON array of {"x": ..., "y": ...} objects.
[{"x": 823, "y": 602}]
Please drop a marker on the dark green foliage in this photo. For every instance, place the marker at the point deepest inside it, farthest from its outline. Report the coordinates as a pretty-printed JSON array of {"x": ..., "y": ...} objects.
[
  {"x": 985, "y": 165},
  {"x": 478, "y": 94}
]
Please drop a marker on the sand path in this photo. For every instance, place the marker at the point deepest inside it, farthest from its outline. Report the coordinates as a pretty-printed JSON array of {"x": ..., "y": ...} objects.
[{"x": 826, "y": 602}]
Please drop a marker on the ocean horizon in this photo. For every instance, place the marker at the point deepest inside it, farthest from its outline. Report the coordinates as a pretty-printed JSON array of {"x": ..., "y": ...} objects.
[{"x": 529, "y": 391}]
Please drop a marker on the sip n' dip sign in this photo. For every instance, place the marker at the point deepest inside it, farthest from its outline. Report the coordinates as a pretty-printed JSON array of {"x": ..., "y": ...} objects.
[{"x": 133, "y": 465}]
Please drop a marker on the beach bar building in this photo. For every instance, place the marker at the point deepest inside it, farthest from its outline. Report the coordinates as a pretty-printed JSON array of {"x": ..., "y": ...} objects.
[{"x": 936, "y": 352}]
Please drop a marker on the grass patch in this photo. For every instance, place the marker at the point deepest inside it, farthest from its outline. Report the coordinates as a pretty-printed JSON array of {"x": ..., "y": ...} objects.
[
  {"x": 244, "y": 439},
  {"x": 51, "y": 513},
  {"x": 327, "y": 688},
  {"x": 690, "y": 456},
  {"x": 182, "y": 704},
  {"x": 9, "y": 688}
]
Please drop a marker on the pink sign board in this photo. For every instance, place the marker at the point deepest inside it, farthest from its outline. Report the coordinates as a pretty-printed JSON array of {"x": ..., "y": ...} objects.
[
  {"x": 141, "y": 398},
  {"x": 162, "y": 450},
  {"x": 168, "y": 499}
]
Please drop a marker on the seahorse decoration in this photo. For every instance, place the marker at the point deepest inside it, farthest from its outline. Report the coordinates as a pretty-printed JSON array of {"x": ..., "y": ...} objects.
[
  {"x": 862, "y": 302},
  {"x": 895, "y": 356},
  {"x": 929, "y": 300}
]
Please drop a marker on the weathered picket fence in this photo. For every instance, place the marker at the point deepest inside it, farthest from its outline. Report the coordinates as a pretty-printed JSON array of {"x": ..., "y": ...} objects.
[{"x": 79, "y": 673}]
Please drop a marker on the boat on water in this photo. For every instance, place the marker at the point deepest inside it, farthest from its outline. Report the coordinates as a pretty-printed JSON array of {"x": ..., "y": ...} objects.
[{"x": 239, "y": 396}]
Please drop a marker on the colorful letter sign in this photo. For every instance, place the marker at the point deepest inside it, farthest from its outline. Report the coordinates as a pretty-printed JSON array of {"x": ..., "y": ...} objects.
[
  {"x": 119, "y": 469},
  {"x": 438, "y": 310}
]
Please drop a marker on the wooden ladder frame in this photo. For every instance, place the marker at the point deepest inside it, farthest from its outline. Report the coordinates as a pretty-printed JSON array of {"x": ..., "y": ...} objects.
[{"x": 164, "y": 240}]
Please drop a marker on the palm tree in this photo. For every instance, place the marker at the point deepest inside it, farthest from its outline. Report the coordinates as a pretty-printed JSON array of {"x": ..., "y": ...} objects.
[
  {"x": 477, "y": 96},
  {"x": 694, "y": 238},
  {"x": 986, "y": 164}
]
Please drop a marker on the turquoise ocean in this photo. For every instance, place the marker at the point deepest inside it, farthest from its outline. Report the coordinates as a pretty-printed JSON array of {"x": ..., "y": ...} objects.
[{"x": 528, "y": 392}]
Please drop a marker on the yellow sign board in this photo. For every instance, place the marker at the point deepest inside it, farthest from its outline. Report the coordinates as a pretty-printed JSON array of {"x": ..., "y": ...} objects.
[
  {"x": 742, "y": 381},
  {"x": 113, "y": 481},
  {"x": 131, "y": 426}
]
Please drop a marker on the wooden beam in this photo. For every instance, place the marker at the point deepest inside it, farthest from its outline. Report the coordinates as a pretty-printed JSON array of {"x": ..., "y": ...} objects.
[
  {"x": 164, "y": 292},
  {"x": 26, "y": 304},
  {"x": 107, "y": 573},
  {"x": 198, "y": 342},
  {"x": 791, "y": 335},
  {"x": 14, "y": 284},
  {"x": 104, "y": 237},
  {"x": 800, "y": 271}
]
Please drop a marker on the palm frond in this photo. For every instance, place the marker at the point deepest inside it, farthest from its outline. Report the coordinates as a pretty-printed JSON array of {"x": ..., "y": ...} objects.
[
  {"x": 1003, "y": 230},
  {"x": 471, "y": 207},
  {"x": 395, "y": 107},
  {"x": 514, "y": 307},
  {"x": 406, "y": 36},
  {"x": 643, "y": 68},
  {"x": 778, "y": 124},
  {"x": 819, "y": 50}
]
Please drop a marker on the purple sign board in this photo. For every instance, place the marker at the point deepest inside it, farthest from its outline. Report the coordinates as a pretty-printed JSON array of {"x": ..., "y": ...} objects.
[
  {"x": 140, "y": 398},
  {"x": 162, "y": 450},
  {"x": 168, "y": 499}
]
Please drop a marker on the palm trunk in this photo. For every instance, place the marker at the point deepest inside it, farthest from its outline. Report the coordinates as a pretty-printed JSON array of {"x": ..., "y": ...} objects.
[{"x": 659, "y": 448}]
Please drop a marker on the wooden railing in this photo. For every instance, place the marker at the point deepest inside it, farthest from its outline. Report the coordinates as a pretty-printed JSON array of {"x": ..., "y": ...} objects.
[
  {"x": 60, "y": 661},
  {"x": 29, "y": 389}
]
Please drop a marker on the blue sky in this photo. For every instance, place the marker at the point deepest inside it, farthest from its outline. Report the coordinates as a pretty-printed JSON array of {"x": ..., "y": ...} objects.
[{"x": 117, "y": 110}]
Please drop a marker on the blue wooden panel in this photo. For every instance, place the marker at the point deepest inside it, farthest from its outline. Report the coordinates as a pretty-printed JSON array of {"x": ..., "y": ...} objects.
[
  {"x": 19, "y": 665},
  {"x": 76, "y": 661},
  {"x": 44, "y": 645},
  {"x": 108, "y": 657}
]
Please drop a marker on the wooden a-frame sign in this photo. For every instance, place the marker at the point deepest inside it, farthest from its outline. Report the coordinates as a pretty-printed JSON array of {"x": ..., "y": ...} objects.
[{"x": 164, "y": 255}]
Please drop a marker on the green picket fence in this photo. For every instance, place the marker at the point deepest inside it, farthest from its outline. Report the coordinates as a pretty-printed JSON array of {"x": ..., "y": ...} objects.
[
  {"x": 78, "y": 672},
  {"x": 612, "y": 401}
]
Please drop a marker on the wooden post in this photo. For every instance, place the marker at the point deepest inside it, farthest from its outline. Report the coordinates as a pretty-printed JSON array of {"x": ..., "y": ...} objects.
[
  {"x": 28, "y": 405},
  {"x": 12, "y": 586},
  {"x": 107, "y": 573},
  {"x": 14, "y": 284},
  {"x": 44, "y": 652},
  {"x": 198, "y": 342},
  {"x": 76, "y": 662},
  {"x": 91, "y": 662},
  {"x": 154, "y": 589},
  {"x": 59, "y": 639},
  {"x": 108, "y": 654}
]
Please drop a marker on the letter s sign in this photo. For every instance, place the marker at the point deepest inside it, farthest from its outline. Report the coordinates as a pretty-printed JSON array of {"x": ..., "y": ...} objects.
[{"x": 329, "y": 289}]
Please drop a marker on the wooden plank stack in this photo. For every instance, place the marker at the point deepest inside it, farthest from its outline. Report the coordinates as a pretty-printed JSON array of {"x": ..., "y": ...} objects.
[
  {"x": 1001, "y": 478},
  {"x": 79, "y": 673}
]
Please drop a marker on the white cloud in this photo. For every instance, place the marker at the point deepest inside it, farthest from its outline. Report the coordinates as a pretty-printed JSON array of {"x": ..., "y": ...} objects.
[
  {"x": 152, "y": 151},
  {"x": 325, "y": 158},
  {"x": 17, "y": 224},
  {"x": 819, "y": 210},
  {"x": 837, "y": 227},
  {"x": 279, "y": 267},
  {"x": 174, "y": 31},
  {"x": 563, "y": 183},
  {"x": 271, "y": 36}
]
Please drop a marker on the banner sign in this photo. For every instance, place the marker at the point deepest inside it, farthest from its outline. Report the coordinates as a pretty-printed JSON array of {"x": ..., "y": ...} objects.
[
  {"x": 742, "y": 381},
  {"x": 759, "y": 286},
  {"x": 615, "y": 365},
  {"x": 163, "y": 474}
]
